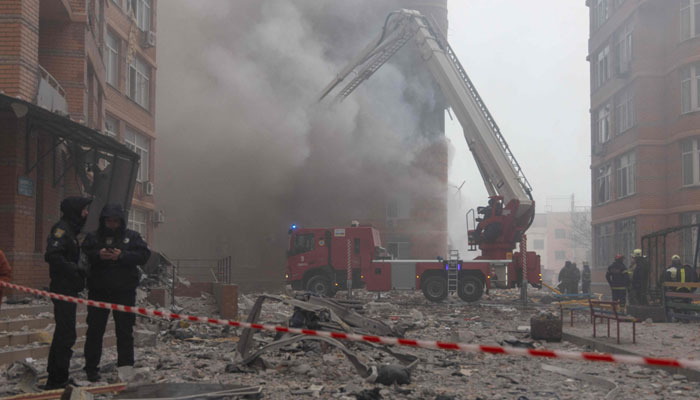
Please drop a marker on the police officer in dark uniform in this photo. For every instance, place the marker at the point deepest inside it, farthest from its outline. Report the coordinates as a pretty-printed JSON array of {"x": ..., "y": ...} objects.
[
  {"x": 114, "y": 253},
  {"x": 63, "y": 254}
]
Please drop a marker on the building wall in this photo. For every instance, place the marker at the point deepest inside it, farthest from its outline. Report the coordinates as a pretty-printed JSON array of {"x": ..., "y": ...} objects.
[
  {"x": 64, "y": 38},
  {"x": 654, "y": 76}
]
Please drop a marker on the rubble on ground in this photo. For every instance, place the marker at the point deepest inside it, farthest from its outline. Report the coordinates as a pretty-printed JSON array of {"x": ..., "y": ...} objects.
[{"x": 285, "y": 366}]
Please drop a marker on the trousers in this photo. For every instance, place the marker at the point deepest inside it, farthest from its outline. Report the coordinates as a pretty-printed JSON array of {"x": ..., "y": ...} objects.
[
  {"x": 123, "y": 326},
  {"x": 63, "y": 340},
  {"x": 619, "y": 295}
]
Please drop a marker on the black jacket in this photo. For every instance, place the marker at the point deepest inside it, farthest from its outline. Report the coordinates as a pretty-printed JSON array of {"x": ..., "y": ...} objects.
[
  {"x": 569, "y": 273},
  {"x": 617, "y": 275},
  {"x": 640, "y": 276},
  {"x": 586, "y": 274},
  {"x": 115, "y": 275},
  {"x": 63, "y": 250}
]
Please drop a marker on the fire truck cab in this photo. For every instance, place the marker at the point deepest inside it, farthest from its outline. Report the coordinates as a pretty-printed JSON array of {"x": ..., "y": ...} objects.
[{"x": 318, "y": 261}]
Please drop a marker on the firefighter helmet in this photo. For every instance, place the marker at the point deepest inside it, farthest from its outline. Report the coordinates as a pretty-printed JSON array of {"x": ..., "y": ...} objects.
[
  {"x": 637, "y": 253},
  {"x": 676, "y": 257},
  {"x": 619, "y": 257}
]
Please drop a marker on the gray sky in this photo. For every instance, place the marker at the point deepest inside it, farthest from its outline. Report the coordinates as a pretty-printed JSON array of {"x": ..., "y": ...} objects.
[{"x": 527, "y": 59}]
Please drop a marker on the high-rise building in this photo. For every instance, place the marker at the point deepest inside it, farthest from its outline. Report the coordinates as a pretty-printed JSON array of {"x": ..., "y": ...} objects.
[
  {"x": 645, "y": 81},
  {"x": 77, "y": 106}
]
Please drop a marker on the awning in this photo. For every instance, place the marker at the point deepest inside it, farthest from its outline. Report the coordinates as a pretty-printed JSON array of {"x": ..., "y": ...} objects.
[{"x": 105, "y": 168}]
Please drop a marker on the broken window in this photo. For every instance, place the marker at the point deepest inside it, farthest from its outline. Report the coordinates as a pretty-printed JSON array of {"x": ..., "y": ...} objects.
[
  {"x": 603, "y": 184},
  {"x": 625, "y": 175}
]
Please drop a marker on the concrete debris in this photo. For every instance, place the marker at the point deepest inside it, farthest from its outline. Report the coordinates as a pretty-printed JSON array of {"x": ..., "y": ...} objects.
[
  {"x": 197, "y": 360},
  {"x": 144, "y": 338}
]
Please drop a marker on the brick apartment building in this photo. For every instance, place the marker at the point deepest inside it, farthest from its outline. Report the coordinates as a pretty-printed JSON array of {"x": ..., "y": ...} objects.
[
  {"x": 77, "y": 82},
  {"x": 645, "y": 125}
]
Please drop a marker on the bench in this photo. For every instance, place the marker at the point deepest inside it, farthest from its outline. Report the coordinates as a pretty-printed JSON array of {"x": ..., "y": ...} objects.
[
  {"x": 575, "y": 305},
  {"x": 608, "y": 310},
  {"x": 679, "y": 305}
]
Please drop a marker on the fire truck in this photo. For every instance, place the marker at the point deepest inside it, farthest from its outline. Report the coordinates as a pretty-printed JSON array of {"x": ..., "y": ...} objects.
[{"x": 318, "y": 259}]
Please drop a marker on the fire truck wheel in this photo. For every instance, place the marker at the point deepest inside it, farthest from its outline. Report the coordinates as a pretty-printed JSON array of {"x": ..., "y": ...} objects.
[
  {"x": 435, "y": 288},
  {"x": 320, "y": 284},
  {"x": 470, "y": 288}
]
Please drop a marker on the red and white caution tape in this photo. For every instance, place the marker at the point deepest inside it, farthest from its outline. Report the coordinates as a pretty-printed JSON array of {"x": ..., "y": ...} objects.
[{"x": 426, "y": 344}]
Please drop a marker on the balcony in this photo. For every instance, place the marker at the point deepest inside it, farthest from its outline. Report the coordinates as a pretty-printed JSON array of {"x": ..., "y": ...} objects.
[
  {"x": 55, "y": 10},
  {"x": 51, "y": 95}
]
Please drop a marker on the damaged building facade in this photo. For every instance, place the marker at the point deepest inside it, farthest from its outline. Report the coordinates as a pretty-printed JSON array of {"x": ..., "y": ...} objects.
[
  {"x": 76, "y": 118},
  {"x": 644, "y": 139}
]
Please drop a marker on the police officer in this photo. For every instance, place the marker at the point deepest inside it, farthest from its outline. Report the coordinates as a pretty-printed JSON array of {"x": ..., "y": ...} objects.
[
  {"x": 114, "y": 253},
  {"x": 62, "y": 254},
  {"x": 639, "y": 272},
  {"x": 618, "y": 279},
  {"x": 586, "y": 278}
]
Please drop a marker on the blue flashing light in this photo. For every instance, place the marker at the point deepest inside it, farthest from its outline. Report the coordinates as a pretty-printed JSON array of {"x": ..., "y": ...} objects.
[
  {"x": 294, "y": 226},
  {"x": 459, "y": 267},
  {"x": 447, "y": 267}
]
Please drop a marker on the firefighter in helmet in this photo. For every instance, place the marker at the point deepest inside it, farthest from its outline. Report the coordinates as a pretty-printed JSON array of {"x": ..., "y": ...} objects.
[{"x": 639, "y": 278}]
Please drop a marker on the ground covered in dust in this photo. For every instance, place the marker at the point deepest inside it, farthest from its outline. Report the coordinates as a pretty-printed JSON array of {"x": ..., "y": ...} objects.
[{"x": 179, "y": 352}]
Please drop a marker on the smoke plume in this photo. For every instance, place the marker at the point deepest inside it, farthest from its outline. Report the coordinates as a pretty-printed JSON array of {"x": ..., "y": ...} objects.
[{"x": 243, "y": 148}]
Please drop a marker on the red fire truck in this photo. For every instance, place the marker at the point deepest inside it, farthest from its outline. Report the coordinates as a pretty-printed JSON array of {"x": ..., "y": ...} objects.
[
  {"x": 318, "y": 257},
  {"x": 318, "y": 261}
]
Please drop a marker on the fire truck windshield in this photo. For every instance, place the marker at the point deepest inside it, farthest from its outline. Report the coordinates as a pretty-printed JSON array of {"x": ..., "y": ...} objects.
[{"x": 303, "y": 243}]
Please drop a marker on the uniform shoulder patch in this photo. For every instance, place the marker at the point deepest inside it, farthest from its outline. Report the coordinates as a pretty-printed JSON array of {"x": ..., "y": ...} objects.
[{"x": 58, "y": 233}]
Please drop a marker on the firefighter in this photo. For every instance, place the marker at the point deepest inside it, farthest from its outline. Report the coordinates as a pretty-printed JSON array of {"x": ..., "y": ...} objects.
[
  {"x": 618, "y": 279},
  {"x": 679, "y": 273},
  {"x": 569, "y": 277},
  {"x": 639, "y": 278},
  {"x": 114, "y": 252},
  {"x": 5, "y": 272},
  {"x": 63, "y": 254},
  {"x": 586, "y": 278}
]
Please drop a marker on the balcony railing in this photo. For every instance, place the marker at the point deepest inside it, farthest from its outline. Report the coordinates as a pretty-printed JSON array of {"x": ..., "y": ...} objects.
[{"x": 51, "y": 94}]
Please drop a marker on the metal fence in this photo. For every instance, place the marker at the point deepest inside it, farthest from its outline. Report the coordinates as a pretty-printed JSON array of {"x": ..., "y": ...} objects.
[{"x": 223, "y": 270}]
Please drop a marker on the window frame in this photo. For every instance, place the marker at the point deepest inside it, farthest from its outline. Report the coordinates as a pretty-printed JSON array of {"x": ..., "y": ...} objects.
[
  {"x": 625, "y": 175},
  {"x": 406, "y": 246},
  {"x": 138, "y": 69},
  {"x": 625, "y": 235},
  {"x": 603, "y": 179},
  {"x": 602, "y": 67},
  {"x": 560, "y": 233},
  {"x": 689, "y": 28},
  {"x": 690, "y": 150},
  {"x": 625, "y": 111},
  {"x": 111, "y": 56},
  {"x": 141, "y": 7},
  {"x": 624, "y": 50},
  {"x": 143, "y": 149},
  {"x": 134, "y": 225},
  {"x": 114, "y": 133},
  {"x": 603, "y": 242},
  {"x": 603, "y": 129}
]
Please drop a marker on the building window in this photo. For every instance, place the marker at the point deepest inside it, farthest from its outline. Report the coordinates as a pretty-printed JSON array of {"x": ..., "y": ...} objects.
[
  {"x": 603, "y": 124},
  {"x": 689, "y": 237},
  {"x": 603, "y": 184},
  {"x": 602, "y": 68},
  {"x": 539, "y": 244},
  {"x": 623, "y": 48},
  {"x": 625, "y": 114},
  {"x": 398, "y": 208},
  {"x": 138, "y": 221},
  {"x": 111, "y": 56},
  {"x": 111, "y": 126},
  {"x": 603, "y": 242},
  {"x": 138, "y": 78},
  {"x": 142, "y": 13},
  {"x": 559, "y": 234},
  {"x": 690, "y": 88},
  {"x": 690, "y": 158},
  {"x": 560, "y": 255},
  {"x": 625, "y": 235},
  {"x": 600, "y": 12},
  {"x": 141, "y": 145},
  {"x": 626, "y": 175},
  {"x": 400, "y": 250},
  {"x": 690, "y": 19}
]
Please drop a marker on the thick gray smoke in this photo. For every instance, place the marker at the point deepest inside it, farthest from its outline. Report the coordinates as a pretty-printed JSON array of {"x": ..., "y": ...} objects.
[{"x": 243, "y": 149}]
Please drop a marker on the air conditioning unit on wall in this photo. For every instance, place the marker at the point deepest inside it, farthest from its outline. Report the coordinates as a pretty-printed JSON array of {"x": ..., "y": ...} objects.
[
  {"x": 148, "y": 188},
  {"x": 149, "y": 39}
]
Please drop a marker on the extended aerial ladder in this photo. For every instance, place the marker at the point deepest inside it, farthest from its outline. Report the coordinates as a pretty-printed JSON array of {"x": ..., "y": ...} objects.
[{"x": 511, "y": 207}]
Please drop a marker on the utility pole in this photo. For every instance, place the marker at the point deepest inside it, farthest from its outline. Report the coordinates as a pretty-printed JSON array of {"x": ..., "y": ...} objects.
[{"x": 523, "y": 283}]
